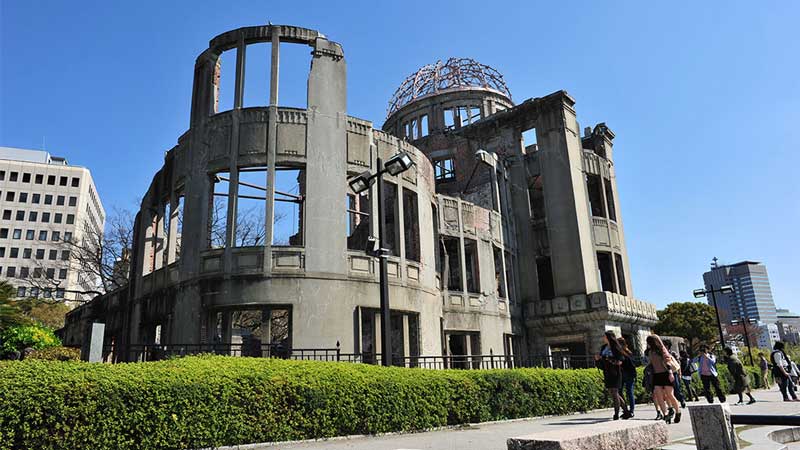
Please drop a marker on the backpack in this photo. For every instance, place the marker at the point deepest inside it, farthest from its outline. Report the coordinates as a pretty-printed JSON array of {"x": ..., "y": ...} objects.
[{"x": 776, "y": 370}]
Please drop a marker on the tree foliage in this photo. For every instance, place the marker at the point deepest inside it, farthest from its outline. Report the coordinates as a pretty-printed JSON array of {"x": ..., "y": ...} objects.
[
  {"x": 694, "y": 321},
  {"x": 10, "y": 312}
]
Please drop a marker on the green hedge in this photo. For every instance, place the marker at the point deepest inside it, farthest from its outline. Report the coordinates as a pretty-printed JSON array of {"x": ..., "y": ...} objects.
[{"x": 212, "y": 400}]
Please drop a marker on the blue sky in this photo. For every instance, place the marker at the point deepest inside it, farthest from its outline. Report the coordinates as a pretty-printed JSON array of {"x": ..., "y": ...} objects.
[{"x": 703, "y": 99}]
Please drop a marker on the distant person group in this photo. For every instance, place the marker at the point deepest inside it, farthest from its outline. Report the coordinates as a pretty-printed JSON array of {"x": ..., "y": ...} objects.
[{"x": 668, "y": 375}]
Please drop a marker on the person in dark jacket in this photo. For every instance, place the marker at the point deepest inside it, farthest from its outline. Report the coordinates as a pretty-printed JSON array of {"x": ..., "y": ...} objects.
[
  {"x": 628, "y": 374},
  {"x": 610, "y": 361},
  {"x": 687, "y": 370},
  {"x": 741, "y": 382}
]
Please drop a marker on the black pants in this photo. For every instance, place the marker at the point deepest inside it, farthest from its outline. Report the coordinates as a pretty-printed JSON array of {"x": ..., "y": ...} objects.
[
  {"x": 709, "y": 380},
  {"x": 786, "y": 386}
]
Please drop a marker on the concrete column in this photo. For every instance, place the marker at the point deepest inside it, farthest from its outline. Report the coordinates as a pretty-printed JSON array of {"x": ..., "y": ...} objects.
[
  {"x": 566, "y": 197},
  {"x": 406, "y": 337},
  {"x": 326, "y": 169},
  {"x": 712, "y": 428},
  {"x": 461, "y": 257},
  {"x": 272, "y": 145}
]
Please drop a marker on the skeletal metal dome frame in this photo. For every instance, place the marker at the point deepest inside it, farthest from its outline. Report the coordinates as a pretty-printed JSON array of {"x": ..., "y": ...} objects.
[{"x": 455, "y": 73}]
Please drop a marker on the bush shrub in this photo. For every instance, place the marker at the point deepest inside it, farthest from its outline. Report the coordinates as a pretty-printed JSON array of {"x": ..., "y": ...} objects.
[
  {"x": 56, "y": 354},
  {"x": 37, "y": 337},
  {"x": 208, "y": 401}
]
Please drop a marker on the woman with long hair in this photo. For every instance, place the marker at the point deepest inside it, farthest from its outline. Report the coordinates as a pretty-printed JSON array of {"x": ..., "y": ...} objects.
[
  {"x": 628, "y": 373},
  {"x": 610, "y": 361},
  {"x": 664, "y": 369}
]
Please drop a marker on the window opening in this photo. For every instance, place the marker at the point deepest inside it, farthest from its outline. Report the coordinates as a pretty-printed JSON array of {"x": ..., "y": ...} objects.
[
  {"x": 256, "y": 74},
  {"x": 594, "y": 185},
  {"x": 498, "y": 272},
  {"x": 392, "y": 230},
  {"x": 620, "y": 274},
  {"x": 290, "y": 193},
  {"x": 225, "y": 80},
  {"x": 612, "y": 211},
  {"x": 451, "y": 262},
  {"x": 293, "y": 75},
  {"x": 218, "y": 215},
  {"x": 414, "y": 128},
  {"x": 411, "y": 225},
  {"x": 251, "y": 229},
  {"x": 358, "y": 223},
  {"x": 471, "y": 265},
  {"x": 449, "y": 118},
  {"x": 544, "y": 272},
  {"x": 605, "y": 268},
  {"x": 423, "y": 122},
  {"x": 444, "y": 170},
  {"x": 529, "y": 140}
]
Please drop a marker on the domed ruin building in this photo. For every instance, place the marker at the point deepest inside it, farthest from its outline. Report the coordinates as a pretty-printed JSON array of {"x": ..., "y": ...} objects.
[{"x": 505, "y": 237}]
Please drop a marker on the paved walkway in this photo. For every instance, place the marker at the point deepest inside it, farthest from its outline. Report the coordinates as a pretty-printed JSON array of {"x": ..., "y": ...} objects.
[{"x": 492, "y": 436}]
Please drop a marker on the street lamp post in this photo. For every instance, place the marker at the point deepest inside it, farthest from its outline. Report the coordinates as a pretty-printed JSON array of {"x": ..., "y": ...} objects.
[
  {"x": 744, "y": 322},
  {"x": 396, "y": 164},
  {"x": 725, "y": 289}
]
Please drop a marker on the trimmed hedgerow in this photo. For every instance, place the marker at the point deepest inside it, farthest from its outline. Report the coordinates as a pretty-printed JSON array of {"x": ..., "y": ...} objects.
[{"x": 209, "y": 401}]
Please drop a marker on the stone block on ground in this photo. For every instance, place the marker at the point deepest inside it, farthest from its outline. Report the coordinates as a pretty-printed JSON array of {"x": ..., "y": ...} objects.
[
  {"x": 610, "y": 435},
  {"x": 712, "y": 428}
]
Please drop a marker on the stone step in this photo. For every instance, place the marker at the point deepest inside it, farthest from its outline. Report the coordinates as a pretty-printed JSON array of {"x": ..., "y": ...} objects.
[{"x": 611, "y": 435}]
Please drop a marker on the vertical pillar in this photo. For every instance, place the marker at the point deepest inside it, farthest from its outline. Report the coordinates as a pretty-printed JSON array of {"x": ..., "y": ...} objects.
[
  {"x": 233, "y": 184},
  {"x": 326, "y": 167},
  {"x": 406, "y": 338},
  {"x": 272, "y": 144},
  {"x": 566, "y": 197}
]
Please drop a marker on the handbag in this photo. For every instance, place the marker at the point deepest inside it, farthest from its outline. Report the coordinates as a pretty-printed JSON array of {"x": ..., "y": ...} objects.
[{"x": 673, "y": 365}]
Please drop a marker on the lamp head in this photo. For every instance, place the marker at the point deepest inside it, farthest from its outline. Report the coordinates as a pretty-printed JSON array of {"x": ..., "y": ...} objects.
[
  {"x": 699, "y": 293},
  {"x": 398, "y": 163},
  {"x": 360, "y": 182},
  {"x": 726, "y": 289}
]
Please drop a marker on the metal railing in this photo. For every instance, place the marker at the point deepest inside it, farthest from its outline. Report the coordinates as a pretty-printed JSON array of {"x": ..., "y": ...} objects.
[
  {"x": 758, "y": 419},
  {"x": 156, "y": 352}
]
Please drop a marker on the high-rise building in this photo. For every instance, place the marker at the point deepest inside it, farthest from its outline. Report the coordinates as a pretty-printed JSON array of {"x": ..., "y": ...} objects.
[
  {"x": 789, "y": 326},
  {"x": 751, "y": 297},
  {"x": 46, "y": 207}
]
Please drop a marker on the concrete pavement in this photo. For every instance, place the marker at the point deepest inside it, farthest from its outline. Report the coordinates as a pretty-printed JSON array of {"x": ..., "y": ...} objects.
[{"x": 493, "y": 435}]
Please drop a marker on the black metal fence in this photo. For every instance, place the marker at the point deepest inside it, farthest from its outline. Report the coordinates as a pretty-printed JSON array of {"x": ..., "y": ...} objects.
[{"x": 155, "y": 352}]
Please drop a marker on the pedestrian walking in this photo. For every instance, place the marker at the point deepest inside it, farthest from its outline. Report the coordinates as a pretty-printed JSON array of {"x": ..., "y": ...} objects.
[
  {"x": 677, "y": 384},
  {"x": 610, "y": 361},
  {"x": 741, "y": 382},
  {"x": 688, "y": 369},
  {"x": 707, "y": 364},
  {"x": 628, "y": 374},
  {"x": 665, "y": 368},
  {"x": 764, "y": 365},
  {"x": 647, "y": 383},
  {"x": 781, "y": 372}
]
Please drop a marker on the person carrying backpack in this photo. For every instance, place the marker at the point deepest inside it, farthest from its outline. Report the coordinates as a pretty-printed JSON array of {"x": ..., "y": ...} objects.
[
  {"x": 610, "y": 361},
  {"x": 687, "y": 370},
  {"x": 781, "y": 372}
]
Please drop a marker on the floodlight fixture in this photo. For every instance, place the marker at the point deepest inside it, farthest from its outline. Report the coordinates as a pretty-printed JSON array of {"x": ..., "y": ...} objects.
[
  {"x": 398, "y": 163},
  {"x": 726, "y": 289},
  {"x": 361, "y": 182},
  {"x": 699, "y": 293}
]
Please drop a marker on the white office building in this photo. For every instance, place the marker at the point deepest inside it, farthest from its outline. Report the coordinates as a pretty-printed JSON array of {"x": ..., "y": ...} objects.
[{"x": 44, "y": 204}]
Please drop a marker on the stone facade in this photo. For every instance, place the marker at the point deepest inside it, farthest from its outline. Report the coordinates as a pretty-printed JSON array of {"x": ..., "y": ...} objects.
[{"x": 249, "y": 237}]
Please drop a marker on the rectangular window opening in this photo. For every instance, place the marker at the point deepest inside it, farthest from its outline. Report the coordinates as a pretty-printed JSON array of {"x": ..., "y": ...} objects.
[
  {"x": 612, "y": 210},
  {"x": 293, "y": 75},
  {"x": 594, "y": 186},
  {"x": 471, "y": 266},
  {"x": 218, "y": 216},
  {"x": 499, "y": 274},
  {"x": 290, "y": 194},
  {"x": 620, "y": 274},
  {"x": 529, "y": 140},
  {"x": 225, "y": 82},
  {"x": 605, "y": 269},
  {"x": 358, "y": 224},
  {"x": 544, "y": 272},
  {"x": 256, "y": 74},
  {"x": 423, "y": 123},
  {"x": 251, "y": 228},
  {"x": 411, "y": 225},
  {"x": 392, "y": 232},
  {"x": 444, "y": 170},
  {"x": 451, "y": 262}
]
